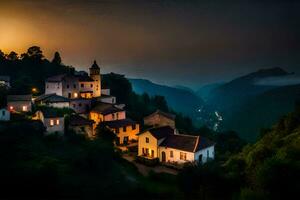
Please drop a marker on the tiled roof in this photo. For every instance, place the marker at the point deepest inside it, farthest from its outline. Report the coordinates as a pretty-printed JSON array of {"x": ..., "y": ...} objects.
[
  {"x": 50, "y": 112},
  {"x": 186, "y": 142},
  {"x": 26, "y": 97},
  {"x": 119, "y": 123},
  {"x": 77, "y": 120},
  {"x": 160, "y": 132},
  {"x": 51, "y": 98},
  {"x": 159, "y": 112},
  {"x": 84, "y": 78},
  {"x": 105, "y": 108},
  {"x": 57, "y": 78}
]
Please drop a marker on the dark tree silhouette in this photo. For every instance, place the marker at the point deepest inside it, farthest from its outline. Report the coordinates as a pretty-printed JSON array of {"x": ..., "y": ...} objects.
[
  {"x": 57, "y": 59},
  {"x": 35, "y": 52},
  {"x": 12, "y": 56}
]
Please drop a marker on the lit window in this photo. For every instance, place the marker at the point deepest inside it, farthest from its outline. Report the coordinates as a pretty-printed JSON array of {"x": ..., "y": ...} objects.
[
  {"x": 75, "y": 95},
  {"x": 57, "y": 122},
  {"x": 147, "y": 140},
  {"x": 11, "y": 108},
  {"x": 171, "y": 154},
  {"x": 24, "y": 108},
  {"x": 51, "y": 122},
  {"x": 182, "y": 156}
]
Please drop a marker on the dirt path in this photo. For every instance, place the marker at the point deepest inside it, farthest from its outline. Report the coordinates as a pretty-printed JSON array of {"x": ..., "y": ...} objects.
[{"x": 144, "y": 170}]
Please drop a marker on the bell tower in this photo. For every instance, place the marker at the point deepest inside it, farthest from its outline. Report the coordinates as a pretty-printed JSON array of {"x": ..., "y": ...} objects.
[{"x": 96, "y": 76}]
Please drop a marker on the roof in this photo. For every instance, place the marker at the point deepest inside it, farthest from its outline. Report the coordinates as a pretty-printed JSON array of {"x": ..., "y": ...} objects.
[
  {"x": 186, "y": 142},
  {"x": 51, "y": 98},
  {"x": 77, "y": 120},
  {"x": 119, "y": 123},
  {"x": 57, "y": 78},
  {"x": 105, "y": 108},
  {"x": 95, "y": 65},
  {"x": 5, "y": 78},
  {"x": 160, "y": 132},
  {"x": 26, "y": 97},
  {"x": 84, "y": 78},
  {"x": 50, "y": 112},
  {"x": 159, "y": 112}
]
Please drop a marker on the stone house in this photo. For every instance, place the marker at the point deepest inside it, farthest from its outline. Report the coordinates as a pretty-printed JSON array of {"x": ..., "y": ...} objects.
[
  {"x": 81, "y": 125},
  {"x": 126, "y": 130},
  {"x": 19, "y": 103},
  {"x": 160, "y": 118},
  {"x": 53, "y": 100}
]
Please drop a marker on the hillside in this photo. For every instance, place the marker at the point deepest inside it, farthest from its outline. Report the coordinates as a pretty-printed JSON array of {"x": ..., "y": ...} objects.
[
  {"x": 270, "y": 168},
  {"x": 181, "y": 100}
]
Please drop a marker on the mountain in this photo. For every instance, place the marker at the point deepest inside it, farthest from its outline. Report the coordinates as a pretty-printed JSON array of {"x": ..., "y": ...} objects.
[
  {"x": 229, "y": 96},
  {"x": 181, "y": 100},
  {"x": 205, "y": 91},
  {"x": 262, "y": 111}
]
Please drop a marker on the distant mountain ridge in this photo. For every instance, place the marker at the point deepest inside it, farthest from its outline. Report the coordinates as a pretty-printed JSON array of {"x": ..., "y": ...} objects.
[
  {"x": 179, "y": 99},
  {"x": 247, "y": 107}
]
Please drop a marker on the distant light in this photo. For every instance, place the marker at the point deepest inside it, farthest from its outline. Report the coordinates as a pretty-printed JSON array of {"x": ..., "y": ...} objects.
[
  {"x": 11, "y": 107},
  {"x": 34, "y": 90}
]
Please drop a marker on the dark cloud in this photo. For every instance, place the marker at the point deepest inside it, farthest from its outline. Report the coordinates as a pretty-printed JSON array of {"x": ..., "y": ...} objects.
[{"x": 169, "y": 41}]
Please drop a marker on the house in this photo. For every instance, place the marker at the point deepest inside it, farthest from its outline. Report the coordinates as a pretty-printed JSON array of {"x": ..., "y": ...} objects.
[
  {"x": 5, "y": 81},
  {"x": 53, "y": 100},
  {"x": 81, "y": 125},
  {"x": 4, "y": 114},
  {"x": 126, "y": 130},
  {"x": 19, "y": 103},
  {"x": 78, "y": 85},
  {"x": 52, "y": 119},
  {"x": 168, "y": 146},
  {"x": 160, "y": 118},
  {"x": 81, "y": 105},
  {"x": 106, "y": 112}
]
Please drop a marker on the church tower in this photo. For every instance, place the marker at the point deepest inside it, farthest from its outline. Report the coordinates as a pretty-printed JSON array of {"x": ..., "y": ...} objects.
[{"x": 96, "y": 76}]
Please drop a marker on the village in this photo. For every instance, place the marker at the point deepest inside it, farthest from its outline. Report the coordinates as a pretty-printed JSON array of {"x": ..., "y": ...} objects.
[{"x": 155, "y": 139}]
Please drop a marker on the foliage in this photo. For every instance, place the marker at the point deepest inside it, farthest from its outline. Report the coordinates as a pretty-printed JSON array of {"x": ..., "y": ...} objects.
[{"x": 146, "y": 161}]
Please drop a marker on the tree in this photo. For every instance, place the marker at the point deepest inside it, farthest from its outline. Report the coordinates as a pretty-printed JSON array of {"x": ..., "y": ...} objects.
[
  {"x": 57, "y": 59},
  {"x": 35, "y": 52},
  {"x": 13, "y": 56},
  {"x": 161, "y": 103},
  {"x": 105, "y": 134},
  {"x": 1, "y": 55}
]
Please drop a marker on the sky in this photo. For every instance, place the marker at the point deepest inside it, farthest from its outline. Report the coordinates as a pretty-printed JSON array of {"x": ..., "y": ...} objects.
[{"x": 173, "y": 42}]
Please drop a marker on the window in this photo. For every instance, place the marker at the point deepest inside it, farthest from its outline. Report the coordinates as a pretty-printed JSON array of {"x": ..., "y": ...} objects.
[
  {"x": 82, "y": 85},
  {"x": 75, "y": 95},
  {"x": 117, "y": 115},
  {"x": 171, "y": 154},
  {"x": 147, "y": 151},
  {"x": 113, "y": 116},
  {"x": 147, "y": 140},
  {"x": 125, "y": 140},
  {"x": 3, "y": 112},
  {"x": 57, "y": 85},
  {"x": 69, "y": 95},
  {"x": 24, "y": 108},
  {"x": 57, "y": 122},
  {"x": 74, "y": 85},
  {"x": 152, "y": 153},
  {"x": 47, "y": 86},
  {"x": 113, "y": 100},
  {"x": 51, "y": 122},
  {"x": 182, "y": 156},
  {"x": 91, "y": 85},
  {"x": 133, "y": 126},
  {"x": 68, "y": 86},
  {"x": 124, "y": 128}
]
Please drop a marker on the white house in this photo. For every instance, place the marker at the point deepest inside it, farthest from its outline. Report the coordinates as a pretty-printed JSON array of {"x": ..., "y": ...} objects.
[
  {"x": 4, "y": 114},
  {"x": 168, "y": 146},
  {"x": 52, "y": 120},
  {"x": 74, "y": 86}
]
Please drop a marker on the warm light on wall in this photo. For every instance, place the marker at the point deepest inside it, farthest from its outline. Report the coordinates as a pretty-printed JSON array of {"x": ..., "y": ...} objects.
[
  {"x": 75, "y": 95},
  {"x": 57, "y": 122},
  {"x": 11, "y": 108},
  {"x": 24, "y": 108}
]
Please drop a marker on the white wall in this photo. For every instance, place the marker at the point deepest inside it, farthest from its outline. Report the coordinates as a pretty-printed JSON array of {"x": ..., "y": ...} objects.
[
  {"x": 176, "y": 155},
  {"x": 206, "y": 156},
  {"x": 55, "y": 128},
  {"x": 110, "y": 99},
  {"x": 53, "y": 87},
  {"x": 4, "y": 115},
  {"x": 59, "y": 104}
]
